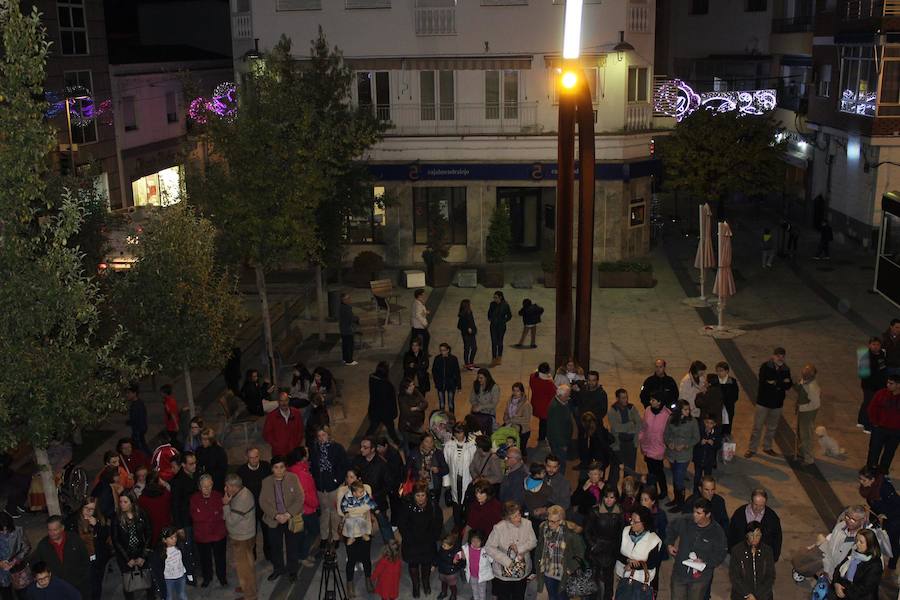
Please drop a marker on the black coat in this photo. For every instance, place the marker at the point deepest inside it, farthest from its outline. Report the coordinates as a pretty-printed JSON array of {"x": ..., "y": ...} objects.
[
  {"x": 531, "y": 315},
  {"x": 719, "y": 395},
  {"x": 415, "y": 366},
  {"x": 771, "y": 395},
  {"x": 420, "y": 530},
  {"x": 865, "y": 583},
  {"x": 465, "y": 323},
  {"x": 445, "y": 371},
  {"x": 183, "y": 487},
  {"x": 382, "y": 399},
  {"x": 663, "y": 388},
  {"x": 749, "y": 578},
  {"x": 595, "y": 401},
  {"x": 124, "y": 550},
  {"x": 603, "y": 536},
  {"x": 252, "y": 480},
  {"x": 414, "y": 465},
  {"x": 346, "y": 320},
  {"x": 877, "y": 378},
  {"x": 771, "y": 528},
  {"x": 253, "y": 395},
  {"x": 100, "y": 533},
  {"x": 704, "y": 454},
  {"x": 330, "y": 480},
  {"x": 396, "y": 470},
  {"x": 595, "y": 447},
  {"x": 76, "y": 564},
  {"x": 213, "y": 461},
  {"x": 375, "y": 473},
  {"x": 499, "y": 315}
]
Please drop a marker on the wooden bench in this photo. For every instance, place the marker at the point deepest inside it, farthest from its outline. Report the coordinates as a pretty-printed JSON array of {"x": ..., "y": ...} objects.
[
  {"x": 385, "y": 299},
  {"x": 236, "y": 416}
]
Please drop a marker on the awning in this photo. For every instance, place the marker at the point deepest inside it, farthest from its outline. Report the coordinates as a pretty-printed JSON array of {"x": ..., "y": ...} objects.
[
  {"x": 441, "y": 63},
  {"x": 585, "y": 61}
]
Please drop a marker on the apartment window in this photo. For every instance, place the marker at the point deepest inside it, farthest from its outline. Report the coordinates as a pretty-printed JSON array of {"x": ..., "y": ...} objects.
[
  {"x": 369, "y": 228},
  {"x": 890, "y": 82},
  {"x": 501, "y": 88},
  {"x": 823, "y": 86},
  {"x": 637, "y": 84},
  {"x": 298, "y": 5},
  {"x": 72, "y": 27},
  {"x": 81, "y": 79},
  {"x": 373, "y": 92},
  {"x": 129, "y": 116},
  {"x": 349, "y": 4},
  {"x": 859, "y": 80},
  {"x": 699, "y": 7},
  {"x": 436, "y": 95},
  {"x": 755, "y": 6},
  {"x": 171, "y": 108},
  {"x": 450, "y": 202}
]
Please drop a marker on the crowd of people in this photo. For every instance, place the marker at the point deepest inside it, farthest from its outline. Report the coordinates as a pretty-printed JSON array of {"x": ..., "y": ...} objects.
[{"x": 170, "y": 519}]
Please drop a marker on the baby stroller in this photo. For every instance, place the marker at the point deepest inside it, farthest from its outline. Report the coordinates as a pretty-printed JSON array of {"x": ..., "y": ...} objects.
[
  {"x": 499, "y": 439},
  {"x": 73, "y": 489},
  {"x": 440, "y": 425}
]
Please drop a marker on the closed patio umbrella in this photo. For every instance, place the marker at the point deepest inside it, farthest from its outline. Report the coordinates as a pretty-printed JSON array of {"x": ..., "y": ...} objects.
[
  {"x": 724, "y": 286},
  {"x": 704, "y": 259}
]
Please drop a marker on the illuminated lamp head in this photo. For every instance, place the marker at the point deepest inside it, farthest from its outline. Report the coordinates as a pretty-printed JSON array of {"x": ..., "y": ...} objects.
[{"x": 569, "y": 79}]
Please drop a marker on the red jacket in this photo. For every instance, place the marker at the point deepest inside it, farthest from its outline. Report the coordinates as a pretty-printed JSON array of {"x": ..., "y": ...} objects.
[
  {"x": 208, "y": 516},
  {"x": 159, "y": 509},
  {"x": 542, "y": 393},
  {"x": 170, "y": 405},
  {"x": 310, "y": 497},
  {"x": 387, "y": 577},
  {"x": 162, "y": 461},
  {"x": 134, "y": 460},
  {"x": 884, "y": 410},
  {"x": 283, "y": 435}
]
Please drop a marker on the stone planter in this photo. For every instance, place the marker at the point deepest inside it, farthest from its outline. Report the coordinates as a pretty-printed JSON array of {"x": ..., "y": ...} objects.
[
  {"x": 440, "y": 275},
  {"x": 625, "y": 279},
  {"x": 491, "y": 275}
]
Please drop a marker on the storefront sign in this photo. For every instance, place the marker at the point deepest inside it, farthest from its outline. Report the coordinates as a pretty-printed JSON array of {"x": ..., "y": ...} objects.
[{"x": 505, "y": 171}]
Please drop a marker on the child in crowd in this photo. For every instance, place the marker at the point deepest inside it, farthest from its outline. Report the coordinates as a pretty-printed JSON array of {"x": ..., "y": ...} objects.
[
  {"x": 478, "y": 565},
  {"x": 631, "y": 488},
  {"x": 359, "y": 510},
  {"x": 386, "y": 576},
  {"x": 173, "y": 565},
  {"x": 706, "y": 451},
  {"x": 450, "y": 561}
]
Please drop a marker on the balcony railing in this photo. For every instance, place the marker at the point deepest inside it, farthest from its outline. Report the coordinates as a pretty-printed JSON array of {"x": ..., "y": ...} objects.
[
  {"x": 868, "y": 9},
  {"x": 638, "y": 18},
  {"x": 461, "y": 118},
  {"x": 793, "y": 24},
  {"x": 242, "y": 27},
  {"x": 436, "y": 21},
  {"x": 638, "y": 117}
]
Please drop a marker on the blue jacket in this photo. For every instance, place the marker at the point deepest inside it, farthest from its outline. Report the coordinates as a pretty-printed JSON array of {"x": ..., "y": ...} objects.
[{"x": 58, "y": 589}]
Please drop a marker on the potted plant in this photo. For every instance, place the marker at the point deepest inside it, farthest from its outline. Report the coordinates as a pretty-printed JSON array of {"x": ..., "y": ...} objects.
[
  {"x": 367, "y": 266},
  {"x": 497, "y": 245},
  {"x": 438, "y": 272},
  {"x": 625, "y": 274},
  {"x": 548, "y": 265}
]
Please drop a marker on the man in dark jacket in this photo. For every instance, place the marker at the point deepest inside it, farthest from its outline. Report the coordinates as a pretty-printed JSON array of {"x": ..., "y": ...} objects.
[
  {"x": 774, "y": 382},
  {"x": 183, "y": 485},
  {"x": 708, "y": 490},
  {"x": 137, "y": 417},
  {"x": 65, "y": 555},
  {"x": 374, "y": 472},
  {"x": 328, "y": 466},
  {"x": 700, "y": 535},
  {"x": 531, "y": 317},
  {"x": 252, "y": 474},
  {"x": 396, "y": 474},
  {"x": 872, "y": 377},
  {"x": 513, "y": 485},
  {"x": 382, "y": 403},
  {"x": 890, "y": 343},
  {"x": 756, "y": 510},
  {"x": 591, "y": 397},
  {"x": 346, "y": 321},
  {"x": 660, "y": 385},
  {"x": 559, "y": 424}
]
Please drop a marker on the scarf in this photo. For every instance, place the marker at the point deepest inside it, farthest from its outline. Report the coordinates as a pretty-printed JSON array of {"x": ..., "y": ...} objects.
[
  {"x": 554, "y": 548},
  {"x": 855, "y": 559},
  {"x": 533, "y": 485},
  {"x": 595, "y": 491},
  {"x": 635, "y": 537},
  {"x": 425, "y": 468},
  {"x": 513, "y": 408},
  {"x": 325, "y": 462},
  {"x": 872, "y": 493}
]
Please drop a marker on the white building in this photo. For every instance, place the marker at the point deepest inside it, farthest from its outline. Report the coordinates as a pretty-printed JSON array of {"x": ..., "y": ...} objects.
[{"x": 469, "y": 89}]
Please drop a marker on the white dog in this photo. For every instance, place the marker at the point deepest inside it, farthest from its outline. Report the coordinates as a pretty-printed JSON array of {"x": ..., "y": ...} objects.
[{"x": 828, "y": 444}]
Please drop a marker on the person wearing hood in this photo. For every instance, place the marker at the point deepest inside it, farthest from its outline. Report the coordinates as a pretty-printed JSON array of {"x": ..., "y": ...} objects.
[{"x": 543, "y": 389}]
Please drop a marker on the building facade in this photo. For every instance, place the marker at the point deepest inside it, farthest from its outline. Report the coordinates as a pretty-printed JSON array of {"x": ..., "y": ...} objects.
[
  {"x": 469, "y": 92},
  {"x": 78, "y": 59},
  {"x": 854, "y": 110}
]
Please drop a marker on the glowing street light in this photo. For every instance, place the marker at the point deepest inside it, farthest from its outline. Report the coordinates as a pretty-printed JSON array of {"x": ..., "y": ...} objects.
[
  {"x": 572, "y": 29},
  {"x": 569, "y": 79}
]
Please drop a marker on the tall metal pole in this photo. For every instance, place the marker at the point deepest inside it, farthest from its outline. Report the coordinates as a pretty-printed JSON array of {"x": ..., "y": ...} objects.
[
  {"x": 584, "y": 284},
  {"x": 565, "y": 185},
  {"x": 69, "y": 128}
]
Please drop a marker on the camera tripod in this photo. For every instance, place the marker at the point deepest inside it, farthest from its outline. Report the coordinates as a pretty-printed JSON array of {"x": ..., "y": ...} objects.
[{"x": 331, "y": 585}]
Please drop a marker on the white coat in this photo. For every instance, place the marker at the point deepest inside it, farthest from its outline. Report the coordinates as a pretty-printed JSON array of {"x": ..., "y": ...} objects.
[
  {"x": 485, "y": 571},
  {"x": 458, "y": 457}
]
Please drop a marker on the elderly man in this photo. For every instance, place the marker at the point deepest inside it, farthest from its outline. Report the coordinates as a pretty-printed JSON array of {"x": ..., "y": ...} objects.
[
  {"x": 824, "y": 556},
  {"x": 559, "y": 425},
  {"x": 756, "y": 510},
  {"x": 65, "y": 556},
  {"x": 283, "y": 429},
  {"x": 240, "y": 521},
  {"x": 281, "y": 499},
  {"x": 513, "y": 485}
]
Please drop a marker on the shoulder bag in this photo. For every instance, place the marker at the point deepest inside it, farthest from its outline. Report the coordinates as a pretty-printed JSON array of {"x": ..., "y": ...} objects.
[
  {"x": 137, "y": 580},
  {"x": 516, "y": 570},
  {"x": 581, "y": 583},
  {"x": 295, "y": 524}
]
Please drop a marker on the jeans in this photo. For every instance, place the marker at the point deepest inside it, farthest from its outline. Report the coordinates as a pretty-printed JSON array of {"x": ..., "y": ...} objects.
[
  {"x": 176, "y": 589},
  {"x": 768, "y": 418},
  {"x": 285, "y": 547},
  {"x": 470, "y": 347},
  {"x": 525, "y": 331},
  {"x": 679, "y": 472},
  {"x": 212, "y": 552},
  {"x": 555, "y": 590},
  {"x": 497, "y": 336},
  {"x": 347, "y": 348},
  {"x": 688, "y": 591},
  {"x": 328, "y": 522},
  {"x": 447, "y": 397},
  {"x": 310, "y": 534},
  {"x": 882, "y": 446},
  {"x": 656, "y": 475}
]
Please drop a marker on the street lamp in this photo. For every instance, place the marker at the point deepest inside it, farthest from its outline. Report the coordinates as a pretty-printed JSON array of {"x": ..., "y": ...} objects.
[
  {"x": 575, "y": 107},
  {"x": 72, "y": 96}
]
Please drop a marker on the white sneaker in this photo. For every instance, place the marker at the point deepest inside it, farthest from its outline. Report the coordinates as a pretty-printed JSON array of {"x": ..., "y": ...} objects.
[
  {"x": 351, "y": 363},
  {"x": 860, "y": 425}
]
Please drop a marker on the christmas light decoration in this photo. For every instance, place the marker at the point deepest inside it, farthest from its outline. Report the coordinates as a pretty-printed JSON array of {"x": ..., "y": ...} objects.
[{"x": 677, "y": 99}]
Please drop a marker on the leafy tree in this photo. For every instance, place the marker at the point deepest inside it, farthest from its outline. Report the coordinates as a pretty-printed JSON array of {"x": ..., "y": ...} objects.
[
  {"x": 179, "y": 307},
  {"x": 60, "y": 374},
  {"x": 499, "y": 235},
  {"x": 710, "y": 155},
  {"x": 258, "y": 186},
  {"x": 437, "y": 248}
]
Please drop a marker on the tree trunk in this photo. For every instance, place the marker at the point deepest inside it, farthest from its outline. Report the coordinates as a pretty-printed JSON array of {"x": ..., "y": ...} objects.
[
  {"x": 320, "y": 301},
  {"x": 49, "y": 482},
  {"x": 266, "y": 319},
  {"x": 189, "y": 389}
]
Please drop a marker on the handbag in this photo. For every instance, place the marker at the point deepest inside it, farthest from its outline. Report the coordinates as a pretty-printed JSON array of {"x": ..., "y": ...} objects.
[
  {"x": 295, "y": 525},
  {"x": 629, "y": 589},
  {"x": 469, "y": 495},
  {"x": 516, "y": 570},
  {"x": 581, "y": 582},
  {"x": 21, "y": 576},
  {"x": 136, "y": 580}
]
